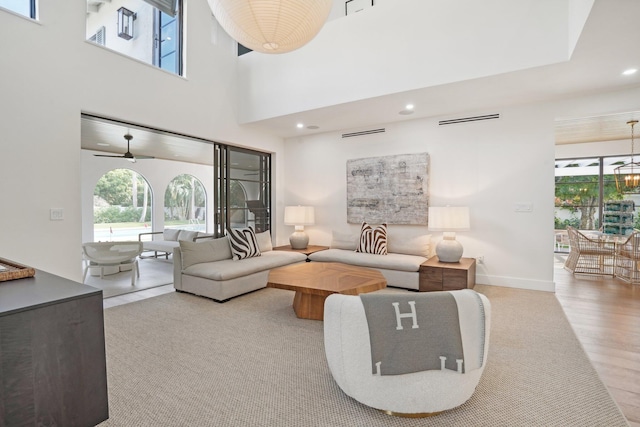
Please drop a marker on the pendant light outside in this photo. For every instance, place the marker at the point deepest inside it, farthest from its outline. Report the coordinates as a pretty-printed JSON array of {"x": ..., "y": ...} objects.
[
  {"x": 627, "y": 176},
  {"x": 271, "y": 26}
]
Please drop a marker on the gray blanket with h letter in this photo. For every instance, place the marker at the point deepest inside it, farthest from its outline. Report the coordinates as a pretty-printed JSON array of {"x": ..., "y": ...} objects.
[{"x": 412, "y": 333}]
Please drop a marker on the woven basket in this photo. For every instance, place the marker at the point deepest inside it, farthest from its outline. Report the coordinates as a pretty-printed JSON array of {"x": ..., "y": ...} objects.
[{"x": 14, "y": 270}]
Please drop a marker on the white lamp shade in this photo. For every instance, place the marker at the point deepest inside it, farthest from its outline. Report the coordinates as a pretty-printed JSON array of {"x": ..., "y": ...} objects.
[
  {"x": 449, "y": 218},
  {"x": 271, "y": 26},
  {"x": 299, "y": 215}
]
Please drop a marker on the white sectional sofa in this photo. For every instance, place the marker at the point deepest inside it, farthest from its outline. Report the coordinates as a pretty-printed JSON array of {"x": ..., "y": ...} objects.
[
  {"x": 400, "y": 266},
  {"x": 206, "y": 268},
  {"x": 164, "y": 242}
]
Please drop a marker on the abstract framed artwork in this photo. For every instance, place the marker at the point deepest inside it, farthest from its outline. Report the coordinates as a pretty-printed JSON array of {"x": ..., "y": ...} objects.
[{"x": 389, "y": 189}]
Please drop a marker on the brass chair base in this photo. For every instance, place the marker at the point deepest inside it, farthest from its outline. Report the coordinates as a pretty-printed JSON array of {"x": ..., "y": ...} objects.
[{"x": 418, "y": 415}]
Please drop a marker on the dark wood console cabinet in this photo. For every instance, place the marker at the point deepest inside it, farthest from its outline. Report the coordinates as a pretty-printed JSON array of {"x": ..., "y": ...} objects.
[
  {"x": 52, "y": 353},
  {"x": 447, "y": 276}
]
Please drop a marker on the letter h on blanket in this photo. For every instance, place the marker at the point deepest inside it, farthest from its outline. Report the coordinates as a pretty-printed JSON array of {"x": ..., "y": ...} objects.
[{"x": 397, "y": 349}]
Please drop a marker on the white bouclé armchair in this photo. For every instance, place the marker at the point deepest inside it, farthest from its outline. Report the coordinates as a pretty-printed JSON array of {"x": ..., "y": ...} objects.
[{"x": 348, "y": 352}]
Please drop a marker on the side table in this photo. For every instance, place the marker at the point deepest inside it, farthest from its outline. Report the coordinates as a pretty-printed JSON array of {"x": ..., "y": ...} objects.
[
  {"x": 307, "y": 251},
  {"x": 447, "y": 276}
]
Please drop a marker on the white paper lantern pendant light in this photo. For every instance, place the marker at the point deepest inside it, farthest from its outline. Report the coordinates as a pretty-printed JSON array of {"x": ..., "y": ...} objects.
[{"x": 271, "y": 26}]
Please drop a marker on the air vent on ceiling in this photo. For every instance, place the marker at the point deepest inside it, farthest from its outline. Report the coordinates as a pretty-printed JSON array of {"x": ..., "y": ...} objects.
[
  {"x": 469, "y": 119},
  {"x": 364, "y": 132}
]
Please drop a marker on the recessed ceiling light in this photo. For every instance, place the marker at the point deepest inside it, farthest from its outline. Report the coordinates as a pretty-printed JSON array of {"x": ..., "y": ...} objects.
[
  {"x": 409, "y": 107},
  {"x": 103, "y": 144},
  {"x": 300, "y": 125},
  {"x": 630, "y": 71}
]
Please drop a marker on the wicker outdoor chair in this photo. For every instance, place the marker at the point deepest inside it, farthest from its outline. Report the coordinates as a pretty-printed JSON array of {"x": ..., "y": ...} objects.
[
  {"x": 628, "y": 258},
  {"x": 589, "y": 255}
]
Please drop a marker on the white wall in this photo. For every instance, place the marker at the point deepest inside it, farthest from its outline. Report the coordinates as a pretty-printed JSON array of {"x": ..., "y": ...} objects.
[
  {"x": 488, "y": 166},
  {"x": 395, "y": 47},
  {"x": 50, "y": 75}
]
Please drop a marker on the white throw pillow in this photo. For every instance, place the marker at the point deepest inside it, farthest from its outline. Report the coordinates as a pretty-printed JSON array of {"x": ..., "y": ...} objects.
[
  {"x": 243, "y": 243},
  {"x": 205, "y": 251},
  {"x": 187, "y": 235},
  {"x": 344, "y": 241},
  {"x": 170, "y": 234},
  {"x": 418, "y": 245},
  {"x": 264, "y": 241}
]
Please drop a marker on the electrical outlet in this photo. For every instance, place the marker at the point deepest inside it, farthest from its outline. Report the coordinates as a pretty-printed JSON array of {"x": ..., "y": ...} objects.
[
  {"x": 480, "y": 259},
  {"x": 56, "y": 214}
]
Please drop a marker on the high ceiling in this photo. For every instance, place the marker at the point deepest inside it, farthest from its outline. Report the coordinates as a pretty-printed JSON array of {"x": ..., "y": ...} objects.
[{"x": 605, "y": 49}]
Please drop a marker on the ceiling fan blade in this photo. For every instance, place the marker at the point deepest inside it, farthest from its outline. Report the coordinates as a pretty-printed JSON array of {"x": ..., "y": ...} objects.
[
  {"x": 108, "y": 155},
  {"x": 128, "y": 155}
]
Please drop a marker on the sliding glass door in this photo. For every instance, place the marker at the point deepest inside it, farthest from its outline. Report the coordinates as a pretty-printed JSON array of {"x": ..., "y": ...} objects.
[
  {"x": 583, "y": 185},
  {"x": 242, "y": 189}
]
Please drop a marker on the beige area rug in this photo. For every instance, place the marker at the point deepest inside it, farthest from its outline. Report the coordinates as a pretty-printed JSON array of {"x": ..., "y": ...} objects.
[
  {"x": 181, "y": 360},
  {"x": 153, "y": 273}
]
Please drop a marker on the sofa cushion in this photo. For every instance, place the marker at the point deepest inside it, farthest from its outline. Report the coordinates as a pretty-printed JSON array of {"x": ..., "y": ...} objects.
[
  {"x": 187, "y": 235},
  {"x": 373, "y": 240},
  {"x": 170, "y": 234},
  {"x": 264, "y": 241},
  {"x": 231, "y": 269},
  {"x": 160, "y": 245},
  {"x": 391, "y": 261},
  {"x": 344, "y": 241},
  {"x": 418, "y": 245},
  {"x": 205, "y": 251},
  {"x": 243, "y": 243}
]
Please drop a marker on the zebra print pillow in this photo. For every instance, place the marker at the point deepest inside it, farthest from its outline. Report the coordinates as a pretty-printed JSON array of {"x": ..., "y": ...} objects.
[
  {"x": 373, "y": 240},
  {"x": 243, "y": 243}
]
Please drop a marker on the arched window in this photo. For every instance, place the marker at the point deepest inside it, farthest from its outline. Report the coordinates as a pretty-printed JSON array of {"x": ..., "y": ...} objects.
[
  {"x": 121, "y": 206},
  {"x": 237, "y": 204},
  {"x": 185, "y": 203}
]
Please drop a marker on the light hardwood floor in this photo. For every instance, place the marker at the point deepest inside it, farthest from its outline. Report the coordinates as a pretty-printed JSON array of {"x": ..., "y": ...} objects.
[{"x": 605, "y": 315}]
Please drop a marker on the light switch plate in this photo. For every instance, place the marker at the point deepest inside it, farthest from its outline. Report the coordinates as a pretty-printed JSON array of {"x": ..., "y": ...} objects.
[
  {"x": 56, "y": 214},
  {"x": 523, "y": 207}
]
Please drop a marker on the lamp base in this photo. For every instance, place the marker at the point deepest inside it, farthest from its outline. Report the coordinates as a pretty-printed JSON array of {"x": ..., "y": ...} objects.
[
  {"x": 449, "y": 250},
  {"x": 299, "y": 240}
]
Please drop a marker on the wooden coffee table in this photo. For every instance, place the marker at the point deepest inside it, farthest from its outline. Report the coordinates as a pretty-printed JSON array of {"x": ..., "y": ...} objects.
[{"x": 313, "y": 282}]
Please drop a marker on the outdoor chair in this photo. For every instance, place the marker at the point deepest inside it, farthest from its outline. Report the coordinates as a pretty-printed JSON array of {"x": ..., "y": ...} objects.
[
  {"x": 590, "y": 255},
  {"x": 112, "y": 254},
  {"x": 628, "y": 258}
]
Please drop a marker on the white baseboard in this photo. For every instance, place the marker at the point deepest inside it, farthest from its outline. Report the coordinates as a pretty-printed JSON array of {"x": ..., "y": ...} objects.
[{"x": 516, "y": 282}]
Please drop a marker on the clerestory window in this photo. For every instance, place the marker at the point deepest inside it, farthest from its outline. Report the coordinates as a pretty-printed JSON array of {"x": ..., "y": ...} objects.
[
  {"x": 153, "y": 30},
  {"x": 22, "y": 7}
]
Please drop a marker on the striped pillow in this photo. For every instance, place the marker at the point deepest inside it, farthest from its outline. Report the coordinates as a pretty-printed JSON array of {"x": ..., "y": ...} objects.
[
  {"x": 243, "y": 243},
  {"x": 373, "y": 240}
]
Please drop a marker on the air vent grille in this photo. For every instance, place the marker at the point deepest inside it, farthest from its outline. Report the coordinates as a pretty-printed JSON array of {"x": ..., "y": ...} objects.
[
  {"x": 364, "y": 132},
  {"x": 469, "y": 119}
]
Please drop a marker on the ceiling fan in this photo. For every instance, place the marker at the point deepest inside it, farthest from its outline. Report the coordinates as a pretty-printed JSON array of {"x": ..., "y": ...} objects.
[{"x": 128, "y": 155}]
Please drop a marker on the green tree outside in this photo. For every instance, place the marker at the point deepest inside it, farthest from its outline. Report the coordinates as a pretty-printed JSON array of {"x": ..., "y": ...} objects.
[
  {"x": 127, "y": 197},
  {"x": 580, "y": 196},
  {"x": 183, "y": 195}
]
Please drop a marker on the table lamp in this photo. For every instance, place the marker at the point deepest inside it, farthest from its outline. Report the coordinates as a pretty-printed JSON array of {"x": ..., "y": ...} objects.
[
  {"x": 449, "y": 219},
  {"x": 299, "y": 216}
]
